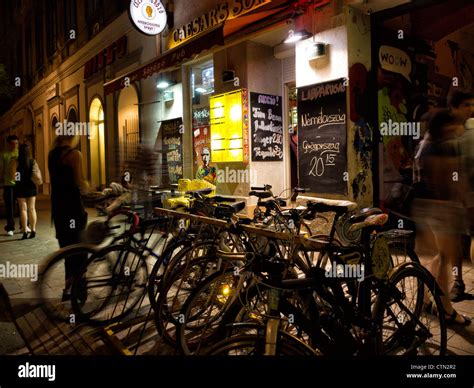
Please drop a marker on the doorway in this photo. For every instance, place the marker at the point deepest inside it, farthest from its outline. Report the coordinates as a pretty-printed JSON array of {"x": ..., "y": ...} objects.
[{"x": 97, "y": 144}]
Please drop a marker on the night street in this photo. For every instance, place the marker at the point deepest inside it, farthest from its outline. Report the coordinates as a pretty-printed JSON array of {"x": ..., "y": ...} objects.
[{"x": 264, "y": 181}]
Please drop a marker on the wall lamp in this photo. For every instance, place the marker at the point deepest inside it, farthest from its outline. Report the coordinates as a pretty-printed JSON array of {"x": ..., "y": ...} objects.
[
  {"x": 164, "y": 82},
  {"x": 296, "y": 36}
]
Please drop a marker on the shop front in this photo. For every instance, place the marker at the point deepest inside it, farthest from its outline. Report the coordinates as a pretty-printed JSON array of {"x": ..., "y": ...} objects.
[{"x": 229, "y": 102}]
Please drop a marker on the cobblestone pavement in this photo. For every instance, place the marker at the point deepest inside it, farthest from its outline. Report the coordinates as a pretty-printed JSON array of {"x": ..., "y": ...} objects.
[{"x": 34, "y": 251}]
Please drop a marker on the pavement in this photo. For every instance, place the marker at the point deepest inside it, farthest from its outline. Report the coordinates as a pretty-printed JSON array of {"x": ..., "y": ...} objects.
[{"x": 35, "y": 251}]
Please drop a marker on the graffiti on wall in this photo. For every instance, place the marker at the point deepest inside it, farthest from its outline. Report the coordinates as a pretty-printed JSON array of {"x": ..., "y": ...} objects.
[{"x": 362, "y": 132}]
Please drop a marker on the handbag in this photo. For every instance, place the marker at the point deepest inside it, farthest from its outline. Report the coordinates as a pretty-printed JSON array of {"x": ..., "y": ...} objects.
[{"x": 36, "y": 176}]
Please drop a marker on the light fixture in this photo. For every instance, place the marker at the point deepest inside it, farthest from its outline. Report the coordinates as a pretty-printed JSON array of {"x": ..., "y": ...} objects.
[
  {"x": 201, "y": 90},
  {"x": 162, "y": 84},
  {"x": 296, "y": 36},
  {"x": 316, "y": 50}
]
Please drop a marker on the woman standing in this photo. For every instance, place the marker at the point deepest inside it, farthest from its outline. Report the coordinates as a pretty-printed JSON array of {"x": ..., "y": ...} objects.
[
  {"x": 441, "y": 207},
  {"x": 28, "y": 176},
  {"x": 67, "y": 209}
]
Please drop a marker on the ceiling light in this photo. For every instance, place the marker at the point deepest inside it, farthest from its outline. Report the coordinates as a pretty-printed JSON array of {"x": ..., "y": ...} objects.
[{"x": 201, "y": 90}]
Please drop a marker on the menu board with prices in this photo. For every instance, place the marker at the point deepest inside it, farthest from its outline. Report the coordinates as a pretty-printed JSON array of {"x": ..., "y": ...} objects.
[
  {"x": 322, "y": 133},
  {"x": 266, "y": 127}
]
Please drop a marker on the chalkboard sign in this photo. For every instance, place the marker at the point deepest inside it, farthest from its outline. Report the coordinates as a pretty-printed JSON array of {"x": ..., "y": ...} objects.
[
  {"x": 266, "y": 127},
  {"x": 322, "y": 133},
  {"x": 173, "y": 147}
]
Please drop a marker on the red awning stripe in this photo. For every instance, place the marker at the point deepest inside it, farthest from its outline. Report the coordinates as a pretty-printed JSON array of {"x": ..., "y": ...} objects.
[{"x": 169, "y": 59}]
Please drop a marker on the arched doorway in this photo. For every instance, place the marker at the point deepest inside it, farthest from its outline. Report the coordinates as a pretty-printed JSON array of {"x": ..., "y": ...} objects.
[
  {"x": 128, "y": 125},
  {"x": 97, "y": 144}
]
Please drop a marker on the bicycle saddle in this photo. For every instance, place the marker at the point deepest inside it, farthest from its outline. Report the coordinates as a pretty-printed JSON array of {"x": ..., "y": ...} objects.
[
  {"x": 364, "y": 213},
  {"x": 260, "y": 194},
  {"x": 373, "y": 220},
  {"x": 199, "y": 193},
  {"x": 226, "y": 211}
]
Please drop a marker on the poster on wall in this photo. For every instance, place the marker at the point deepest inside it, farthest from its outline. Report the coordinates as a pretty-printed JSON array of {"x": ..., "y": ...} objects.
[
  {"x": 172, "y": 140},
  {"x": 322, "y": 137},
  {"x": 201, "y": 134},
  {"x": 266, "y": 127}
]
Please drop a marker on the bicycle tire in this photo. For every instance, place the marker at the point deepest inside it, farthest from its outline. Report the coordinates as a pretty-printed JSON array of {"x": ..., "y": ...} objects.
[
  {"x": 120, "y": 281},
  {"x": 399, "y": 328},
  {"x": 173, "y": 295},
  {"x": 51, "y": 280},
  {"x": 255, "y": 345}
]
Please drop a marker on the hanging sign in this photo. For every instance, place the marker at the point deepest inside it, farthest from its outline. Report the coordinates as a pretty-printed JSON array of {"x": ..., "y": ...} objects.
[{"x": 149, "y": 16}]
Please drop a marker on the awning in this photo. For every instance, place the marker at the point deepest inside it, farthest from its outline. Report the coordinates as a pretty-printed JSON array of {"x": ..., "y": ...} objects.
[{"x": 169, "y": 59}]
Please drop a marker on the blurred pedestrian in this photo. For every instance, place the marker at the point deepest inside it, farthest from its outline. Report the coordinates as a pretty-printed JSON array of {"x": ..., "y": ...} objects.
[
  {"x": 441, "y": 207},
  {"x": 67, "y": 209},
  {"x": 29, "y": 176},
  {"x": 7, "y": 179},
  {"x": 461, "y": 104}
]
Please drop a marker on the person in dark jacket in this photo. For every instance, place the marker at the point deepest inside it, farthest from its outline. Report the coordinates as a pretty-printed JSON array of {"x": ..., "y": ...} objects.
[{"x": 67, "y": 209}]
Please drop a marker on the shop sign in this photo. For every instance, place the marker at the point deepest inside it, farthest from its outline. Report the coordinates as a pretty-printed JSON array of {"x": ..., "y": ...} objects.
[
  {"x": 395, "y": 60},
  {"x": 109, "y": 55},
  {"x": 266, "y": 127},
  {"x": 149, "y": 16},
  {"x": 228, "y": 10},
  {"x": 322, "y": 137}
]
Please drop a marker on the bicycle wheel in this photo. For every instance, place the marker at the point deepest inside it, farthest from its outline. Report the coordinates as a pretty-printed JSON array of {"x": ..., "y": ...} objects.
[
  {"x": 254, "y": 345},
  {"x": 203, "y": 311},
  {"x": 110, "y": 285},
  {"x": 52, "y": 283},
  {"x": 406, "y": 325},
  {"x": 175, "y": 291}
]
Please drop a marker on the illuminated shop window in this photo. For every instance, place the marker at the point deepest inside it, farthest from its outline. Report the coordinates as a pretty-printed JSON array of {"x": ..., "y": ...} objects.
[{"x": 229, "y": 127}]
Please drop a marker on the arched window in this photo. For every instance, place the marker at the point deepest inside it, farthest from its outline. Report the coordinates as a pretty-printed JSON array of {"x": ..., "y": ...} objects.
[{"x": 97, "y": 144}]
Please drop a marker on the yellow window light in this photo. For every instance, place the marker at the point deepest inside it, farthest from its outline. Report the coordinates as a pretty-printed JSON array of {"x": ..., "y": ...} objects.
[{"x": 229, "y": 127}]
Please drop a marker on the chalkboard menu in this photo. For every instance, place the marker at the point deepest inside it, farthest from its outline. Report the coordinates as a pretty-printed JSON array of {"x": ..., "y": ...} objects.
[
  {"x": 322, "y": 160},
  {"x": 266, "y": 127},
  {"x": 173, "y": 148}
]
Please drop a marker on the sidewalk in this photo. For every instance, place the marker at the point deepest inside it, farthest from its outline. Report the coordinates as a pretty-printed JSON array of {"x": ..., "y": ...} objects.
[{"x": 35, "y": 251}]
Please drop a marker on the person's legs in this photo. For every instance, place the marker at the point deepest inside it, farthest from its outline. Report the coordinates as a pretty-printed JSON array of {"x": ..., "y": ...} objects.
[
  {"x": 9, "y": 200},
  {"x": 448, "y": 246},
  {"x": 23, "y": 214},
  {"x": 71, "y": 264},
  {"x": 31, "y": 202}
]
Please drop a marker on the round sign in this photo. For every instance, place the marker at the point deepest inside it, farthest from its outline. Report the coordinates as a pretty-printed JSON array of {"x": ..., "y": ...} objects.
[{"x": 149, "y": 16}]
